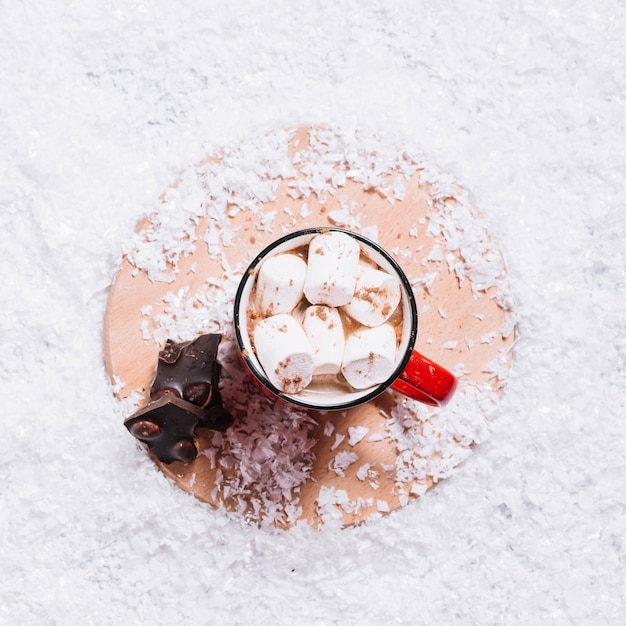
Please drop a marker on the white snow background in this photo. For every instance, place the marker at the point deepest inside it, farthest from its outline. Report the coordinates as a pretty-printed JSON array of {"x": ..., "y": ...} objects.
[{"x": 103, "y": 104}]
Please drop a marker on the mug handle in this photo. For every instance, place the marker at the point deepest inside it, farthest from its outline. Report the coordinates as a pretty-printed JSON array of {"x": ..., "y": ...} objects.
[{"x": 425, "y": 381}]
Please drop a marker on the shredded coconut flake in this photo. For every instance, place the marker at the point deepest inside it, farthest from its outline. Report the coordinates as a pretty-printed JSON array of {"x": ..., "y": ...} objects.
[
  {"x": 356, "y": 434},
  {"x": 342, "y": 461}
]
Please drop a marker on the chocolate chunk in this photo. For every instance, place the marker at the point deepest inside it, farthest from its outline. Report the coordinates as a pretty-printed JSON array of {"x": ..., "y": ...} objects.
[
  {"x": 171, "y": 351},
  {"x": 167, "y": 426},
  {"x": 184, "y": 395},
  {"x": 190, "y": 370}
]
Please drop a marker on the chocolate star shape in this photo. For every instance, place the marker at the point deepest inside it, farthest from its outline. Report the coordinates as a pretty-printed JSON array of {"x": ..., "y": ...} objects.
[
  {"x": 167, "y": 427},
  {"x": 184, "y": 395}
]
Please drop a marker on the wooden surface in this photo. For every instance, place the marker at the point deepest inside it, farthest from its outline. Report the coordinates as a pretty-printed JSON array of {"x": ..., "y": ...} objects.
[{"x": 448, "y": 312}]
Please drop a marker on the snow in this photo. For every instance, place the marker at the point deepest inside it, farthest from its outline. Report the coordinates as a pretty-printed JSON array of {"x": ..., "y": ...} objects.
[{"x": 104, "y": 105}]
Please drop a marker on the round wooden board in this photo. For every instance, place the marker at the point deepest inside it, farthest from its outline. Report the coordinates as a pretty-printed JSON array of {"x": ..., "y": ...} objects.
[{"x": 462, "y": 326}]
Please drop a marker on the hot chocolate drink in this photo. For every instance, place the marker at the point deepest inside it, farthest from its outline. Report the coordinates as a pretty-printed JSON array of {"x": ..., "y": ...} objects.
[{"x": 324, "y": 318}]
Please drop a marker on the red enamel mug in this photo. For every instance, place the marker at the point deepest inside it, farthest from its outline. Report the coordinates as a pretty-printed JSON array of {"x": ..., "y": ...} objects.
[{"x": 413, "y": 374}]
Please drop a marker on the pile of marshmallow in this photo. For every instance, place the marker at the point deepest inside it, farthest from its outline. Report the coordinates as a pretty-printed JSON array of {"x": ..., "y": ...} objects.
[{"x": 299, "y": 335}]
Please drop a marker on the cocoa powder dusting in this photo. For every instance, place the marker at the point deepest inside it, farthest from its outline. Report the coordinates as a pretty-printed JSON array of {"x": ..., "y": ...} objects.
[
  {"x": 322, "y": 314},
  {"x": 371, "y": 294}
]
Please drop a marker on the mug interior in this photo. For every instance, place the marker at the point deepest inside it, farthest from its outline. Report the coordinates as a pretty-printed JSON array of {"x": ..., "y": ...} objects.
[{"x": 325, "y": 397}]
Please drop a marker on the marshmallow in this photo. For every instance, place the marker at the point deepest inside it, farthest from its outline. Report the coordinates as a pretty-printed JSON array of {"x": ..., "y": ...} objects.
[
  {"x": 280, "y": 283},
  {"x": 284, "y": 352},
  {"x": 369, "y": 357},
  {"x": 376, "y": 296},
  {"x": 324, "y": 329},
  {"x": 332, "y": 267}
]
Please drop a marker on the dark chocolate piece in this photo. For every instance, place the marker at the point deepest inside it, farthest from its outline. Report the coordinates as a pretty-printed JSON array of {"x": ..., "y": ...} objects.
[
  {"x": 190, "y": 370},
  {"x": 167, "y": 427},
  {"x": 183, "y": 396}
]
